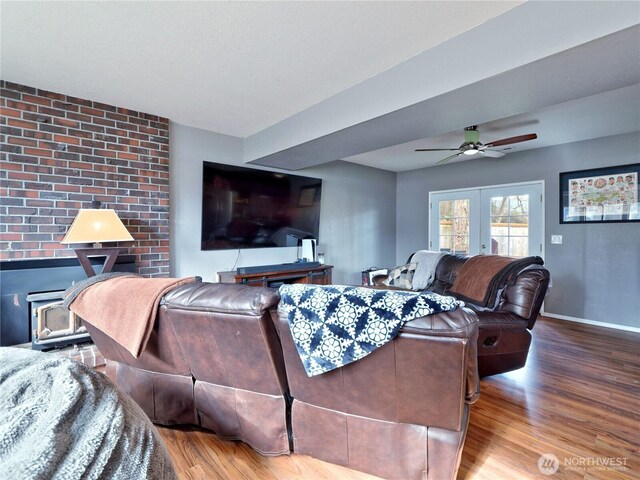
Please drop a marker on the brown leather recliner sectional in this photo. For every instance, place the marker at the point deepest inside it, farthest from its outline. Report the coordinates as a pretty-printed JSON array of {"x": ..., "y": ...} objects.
[
  {"x": 220, "y": 357},
  {"x": 505, "y": 328},
  {"x": 214, "y": 360}
]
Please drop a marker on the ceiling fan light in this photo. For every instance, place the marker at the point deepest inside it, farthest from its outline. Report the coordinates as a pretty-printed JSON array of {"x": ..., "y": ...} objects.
[{"x": 471, "y": 151}]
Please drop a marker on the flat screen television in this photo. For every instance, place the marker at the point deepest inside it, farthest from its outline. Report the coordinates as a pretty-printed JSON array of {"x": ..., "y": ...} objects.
[{"x": 248, "y": 208}]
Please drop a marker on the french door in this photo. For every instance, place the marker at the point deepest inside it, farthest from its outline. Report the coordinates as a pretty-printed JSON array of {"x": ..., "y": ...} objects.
[{"x": 500, "y": 219}]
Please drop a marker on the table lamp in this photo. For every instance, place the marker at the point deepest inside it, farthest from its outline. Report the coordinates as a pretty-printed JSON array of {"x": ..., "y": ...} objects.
[{"x": 96, "y": 226}]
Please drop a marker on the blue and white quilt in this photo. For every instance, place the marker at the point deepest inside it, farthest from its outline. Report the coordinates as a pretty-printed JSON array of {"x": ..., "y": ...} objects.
[{"x": 335, "y": 325}]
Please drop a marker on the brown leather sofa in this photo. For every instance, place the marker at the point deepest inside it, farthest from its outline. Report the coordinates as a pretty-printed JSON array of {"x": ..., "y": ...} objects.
[
  {"x": 505, "y": 328},
  {"x": 399, "y": 413},
  {"x": 220, "y": 357},
  {"x": 214, "y": 360}
]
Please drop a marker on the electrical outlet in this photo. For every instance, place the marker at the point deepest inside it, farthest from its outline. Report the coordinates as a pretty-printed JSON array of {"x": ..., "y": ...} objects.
[{"x": 556, "y": 239}]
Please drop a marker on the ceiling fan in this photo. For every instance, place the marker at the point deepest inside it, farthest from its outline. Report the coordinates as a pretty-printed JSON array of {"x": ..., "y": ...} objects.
[{"x": 472, "y": 145}]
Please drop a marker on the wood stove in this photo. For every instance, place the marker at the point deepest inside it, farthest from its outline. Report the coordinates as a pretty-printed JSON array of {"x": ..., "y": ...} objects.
[{"x": 52, "y": 325}]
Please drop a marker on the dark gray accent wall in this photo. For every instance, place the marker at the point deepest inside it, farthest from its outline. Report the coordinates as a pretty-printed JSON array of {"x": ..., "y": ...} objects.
[
  {"x": 596, "y": 270},
  {"x": 357, "y": 218}
]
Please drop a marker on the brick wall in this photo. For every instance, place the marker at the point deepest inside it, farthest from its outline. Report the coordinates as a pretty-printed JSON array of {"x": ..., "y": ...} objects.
[{"x": 60, "y": 154}]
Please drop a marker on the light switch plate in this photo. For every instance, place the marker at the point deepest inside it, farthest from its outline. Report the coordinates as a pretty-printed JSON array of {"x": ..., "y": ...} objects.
[{"x": 556, "y": 239}]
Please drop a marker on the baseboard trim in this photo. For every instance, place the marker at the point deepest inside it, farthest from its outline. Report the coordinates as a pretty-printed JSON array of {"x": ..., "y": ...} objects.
[{"x": 615, "y": 326}]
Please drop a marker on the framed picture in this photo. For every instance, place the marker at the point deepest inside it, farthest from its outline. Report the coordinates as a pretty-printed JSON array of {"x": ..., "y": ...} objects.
[{"x": 599, "y": 195}]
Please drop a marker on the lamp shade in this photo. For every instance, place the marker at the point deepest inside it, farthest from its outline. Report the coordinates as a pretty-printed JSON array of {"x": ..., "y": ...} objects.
[{"x": 95, "y": 226}]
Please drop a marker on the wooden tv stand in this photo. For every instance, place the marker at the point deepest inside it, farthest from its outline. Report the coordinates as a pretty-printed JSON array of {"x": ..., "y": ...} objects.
[{"x": 320, "y": 275}]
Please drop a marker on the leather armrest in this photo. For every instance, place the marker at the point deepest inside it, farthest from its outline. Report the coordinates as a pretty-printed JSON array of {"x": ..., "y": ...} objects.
[
  {"x": 462, "y": 322},
  {"x": 524, "y": 298}
]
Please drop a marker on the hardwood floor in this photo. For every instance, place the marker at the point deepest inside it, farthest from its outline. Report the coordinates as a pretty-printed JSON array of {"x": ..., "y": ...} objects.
[{"x": 577, "y": 398}]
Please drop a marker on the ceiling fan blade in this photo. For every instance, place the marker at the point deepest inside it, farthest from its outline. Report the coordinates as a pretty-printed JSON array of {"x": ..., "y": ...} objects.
[
  {"x": 448, "y": 158},
  {"x": 491, "y": 153},
  {"x": 436, "y": 149},
  {"x": 511, "y": 140}
]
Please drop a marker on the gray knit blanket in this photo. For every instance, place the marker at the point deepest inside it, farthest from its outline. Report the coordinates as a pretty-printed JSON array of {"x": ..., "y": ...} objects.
[
  {"x": 425, "y": 273},
  {"x": 60, "y": 419}
]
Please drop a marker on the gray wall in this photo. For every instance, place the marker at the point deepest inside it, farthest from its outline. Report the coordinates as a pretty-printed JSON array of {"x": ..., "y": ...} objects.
[
  {"x": 357, "y": 222},
  {"x": 596, "y": 271}
]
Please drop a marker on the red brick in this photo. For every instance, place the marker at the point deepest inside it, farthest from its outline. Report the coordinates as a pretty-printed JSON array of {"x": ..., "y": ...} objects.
[
  {"x": 21, "y": 106},
  {"x": 10, "y": 237},
  {"x": 92, "y": 111},
  {"x": 38, "y": 152},
  {"x": 11, "y": 255},
  {"x": 54, "y": 162},
  {"x": 114, "y": 146},
  {"x": 35, "y": 99},
  {"x": 55, "y": 96},
  {"x": 150, "y": 131},
  {"x": 32, "y": 177},
  {"x": 81, "y": 165},
  {"x": 11, "y": 166},
  {"x": 7, "y": 112},
  {"x": 40, "y": 203},
  {"x": 105, "y": 153},
  {"x": 38, "y": 168},
  {"x": 127, "y": 156},
  {"x": 104, "y": 168},
  {"x": 129, "y": 141},
  {"x": 39, "y": 135},
  {"x": 22, "y": 124},
  {"x": 63, "y": 204},
  {"x": 66, "y": 188},
  {"x": 93, "y": 190},
  {"x": 66, "y": 123},
  {"x": 22, "y": 141},
  {"x": 66, "y": 139},
  {"x": 23, "y": 193}
]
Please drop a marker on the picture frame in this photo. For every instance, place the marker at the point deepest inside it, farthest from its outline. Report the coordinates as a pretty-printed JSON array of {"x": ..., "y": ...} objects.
[{"x": 600, "y": 195}]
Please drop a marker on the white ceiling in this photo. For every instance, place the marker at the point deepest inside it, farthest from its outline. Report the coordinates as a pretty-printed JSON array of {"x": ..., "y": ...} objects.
[
  {"x": 230, "y": 67},
  {"x": 610, "y": 113},
  {"x": 279, "y": 74}
]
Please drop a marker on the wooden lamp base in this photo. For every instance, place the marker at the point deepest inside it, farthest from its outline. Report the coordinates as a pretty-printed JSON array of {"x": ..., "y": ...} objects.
[{"x": 84, "y": 254}]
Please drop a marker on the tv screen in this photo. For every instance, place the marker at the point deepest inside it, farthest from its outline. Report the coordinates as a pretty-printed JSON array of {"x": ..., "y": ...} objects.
[{"x": 248, "y": 208}]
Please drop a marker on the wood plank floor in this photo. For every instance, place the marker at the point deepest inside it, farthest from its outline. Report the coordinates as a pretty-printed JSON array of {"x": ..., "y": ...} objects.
[{"x": 578, "y": 398}]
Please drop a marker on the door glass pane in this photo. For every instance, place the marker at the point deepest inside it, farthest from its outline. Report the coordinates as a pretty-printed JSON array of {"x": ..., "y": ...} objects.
[
  {"x": 518, "y": 246},
  {"x": 499, "y": 205},
  {"x": 519, "y": 204},
  {"x": 454, "y": 225},
  {"x": 446, "y": 243},
  {"x": 461, "y": 244},
  {"x": 499, "y": 226},
  {"x": 446, "y": 209},
  {"x": 510, "y": 225},
  {"x": 499, "y": 245},
  {"x": 446, "y": 226},
  {"x": 518, "y": 230}
]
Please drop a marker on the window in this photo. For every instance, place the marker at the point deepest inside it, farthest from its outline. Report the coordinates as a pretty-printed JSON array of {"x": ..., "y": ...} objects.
[{"x": 501, "y": 220}]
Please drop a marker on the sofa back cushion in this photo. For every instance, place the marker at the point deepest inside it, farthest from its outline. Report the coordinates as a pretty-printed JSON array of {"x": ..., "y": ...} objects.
[
  {"x": 446, "y": 272},
  {"x": 226, "y": 335},
  {"x": 423, "y": 376},
  {"x": 523, "y": 298}
]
